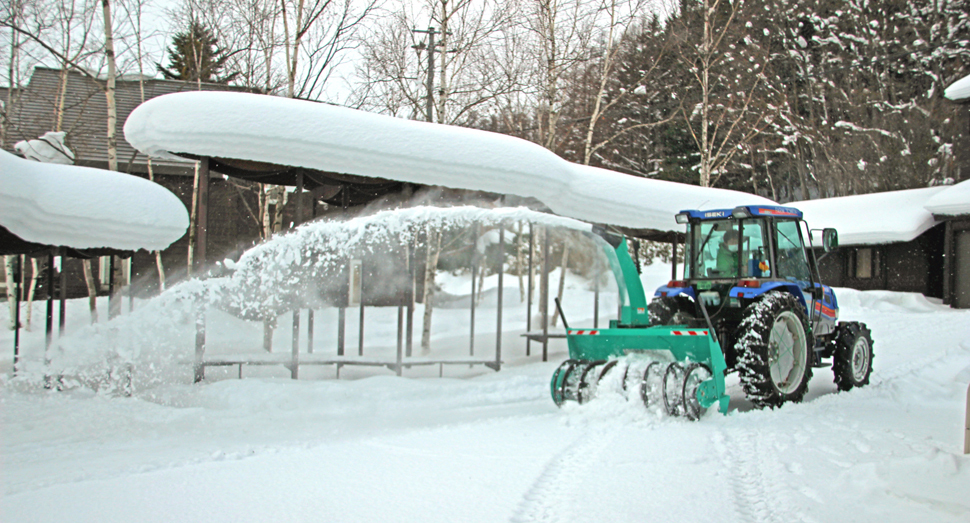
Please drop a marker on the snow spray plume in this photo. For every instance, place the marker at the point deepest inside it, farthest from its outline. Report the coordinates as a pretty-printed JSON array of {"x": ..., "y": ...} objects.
[{"x": 155, "y": 343}]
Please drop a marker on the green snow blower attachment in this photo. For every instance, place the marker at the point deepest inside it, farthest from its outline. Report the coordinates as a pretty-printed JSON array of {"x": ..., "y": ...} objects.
[{"x": 680, "y": 365}]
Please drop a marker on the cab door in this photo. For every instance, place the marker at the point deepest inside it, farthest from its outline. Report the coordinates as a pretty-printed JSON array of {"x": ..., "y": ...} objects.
[{"x": 791, "y": 261}]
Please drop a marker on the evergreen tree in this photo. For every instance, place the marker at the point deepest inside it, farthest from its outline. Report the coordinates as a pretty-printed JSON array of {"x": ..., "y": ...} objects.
[{"x": 196, "y": 57}]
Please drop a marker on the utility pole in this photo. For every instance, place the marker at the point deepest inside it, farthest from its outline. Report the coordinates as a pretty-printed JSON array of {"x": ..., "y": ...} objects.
[{"x": 431, "y": 32}]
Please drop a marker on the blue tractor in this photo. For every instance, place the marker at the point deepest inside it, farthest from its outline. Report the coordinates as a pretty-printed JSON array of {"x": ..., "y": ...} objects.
[{"x": 751, "y": 301}]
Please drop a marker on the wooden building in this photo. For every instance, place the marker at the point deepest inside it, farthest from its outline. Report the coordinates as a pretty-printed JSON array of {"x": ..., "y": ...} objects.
[{"x": 907, "y": 241}]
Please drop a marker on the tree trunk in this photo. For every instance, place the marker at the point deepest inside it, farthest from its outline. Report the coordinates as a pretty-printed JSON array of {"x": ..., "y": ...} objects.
[
  {"x": 431, "y": 265},
  {"x": 34, "y": 278},
  {"x": 158, "y": 254},
  {"x": 193, "y": 222}
]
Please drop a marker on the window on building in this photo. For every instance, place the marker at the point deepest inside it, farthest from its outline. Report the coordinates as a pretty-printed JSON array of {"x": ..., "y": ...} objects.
[{"x": 865, "y": 263}]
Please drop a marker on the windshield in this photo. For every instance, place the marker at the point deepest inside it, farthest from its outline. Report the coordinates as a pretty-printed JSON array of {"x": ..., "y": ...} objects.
[{"x": 727, "y": 249}]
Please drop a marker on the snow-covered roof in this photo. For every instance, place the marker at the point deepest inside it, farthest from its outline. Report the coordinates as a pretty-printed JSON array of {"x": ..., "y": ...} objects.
[
  {"x": 866, "y": 219},
  {"x": 952, "y": 201},
  {"x": 335, "y": 139},
  {"x": 958, "y": 90},
  {"x": 86, "y": 208}
]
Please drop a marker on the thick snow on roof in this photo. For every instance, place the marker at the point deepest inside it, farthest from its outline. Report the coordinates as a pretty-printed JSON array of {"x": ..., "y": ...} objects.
[
  {"x": 951, "y": 201},
  {"x": 85, "y": 208},
  {"x": 958, "y": 90},
  {"x": 335, "y": 139},
  {"x": 865, "y": 219}
]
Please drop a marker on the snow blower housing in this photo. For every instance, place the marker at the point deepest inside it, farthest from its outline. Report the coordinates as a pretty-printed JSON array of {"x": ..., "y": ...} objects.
[{"x": 750, "y": 301}]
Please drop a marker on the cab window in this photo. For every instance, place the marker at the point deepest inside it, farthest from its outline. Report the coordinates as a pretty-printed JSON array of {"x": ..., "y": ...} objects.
[{"x": 792, "y": 264}]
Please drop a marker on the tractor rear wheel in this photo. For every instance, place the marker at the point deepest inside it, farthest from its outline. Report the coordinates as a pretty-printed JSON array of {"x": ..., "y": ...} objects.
[
  {"x": 852, "y": 360},
  {"x": 774, "y": 350}
]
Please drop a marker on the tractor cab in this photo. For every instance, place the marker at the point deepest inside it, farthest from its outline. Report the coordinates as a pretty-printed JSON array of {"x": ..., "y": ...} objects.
[{"x": 733, "y": 256}]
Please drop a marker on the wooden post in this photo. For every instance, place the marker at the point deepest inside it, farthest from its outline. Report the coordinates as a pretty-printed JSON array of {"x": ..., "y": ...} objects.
[
  {"x": 501, "y": 273},
  {"x": 199, "y": 342},
  {"x": 528, "y": 307},
  {"x": 295, "y": 347},
  {"x": 201, "y": 236},
  {"x": 544, "y": 293}
]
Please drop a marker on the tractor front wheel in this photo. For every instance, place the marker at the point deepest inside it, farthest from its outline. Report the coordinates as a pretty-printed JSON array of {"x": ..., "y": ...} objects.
[
  {"x": 774, "y": 350},
  {"x": 852, "y": 360}
]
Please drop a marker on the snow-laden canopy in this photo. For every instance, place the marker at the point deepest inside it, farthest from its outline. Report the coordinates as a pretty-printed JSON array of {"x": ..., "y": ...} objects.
[
  {"x": 865, "y": 219},
  {"x": 952, "y": 201},
  {"x": 958, "y": 90},
  {"x": 85, "y": 208},
  {"x": 334, "y": 139}
]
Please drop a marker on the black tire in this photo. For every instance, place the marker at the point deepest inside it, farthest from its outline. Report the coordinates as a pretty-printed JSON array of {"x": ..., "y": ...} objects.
[
  {"x": 852, "y": 359},
  {"x": 772, "y": 374}
]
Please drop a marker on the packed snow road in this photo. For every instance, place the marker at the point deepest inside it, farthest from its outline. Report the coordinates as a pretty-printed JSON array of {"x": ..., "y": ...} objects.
[{"x": 495, "y": 448}]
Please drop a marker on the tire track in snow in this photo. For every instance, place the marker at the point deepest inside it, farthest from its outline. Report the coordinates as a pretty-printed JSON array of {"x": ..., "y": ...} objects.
[
  {"x": 757, "y": 489},
  {"x": 550, "y": 497}
]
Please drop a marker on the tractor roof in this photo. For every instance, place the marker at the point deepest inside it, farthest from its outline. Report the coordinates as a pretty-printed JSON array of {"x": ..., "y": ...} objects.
[{"x": 747, "y": 211}]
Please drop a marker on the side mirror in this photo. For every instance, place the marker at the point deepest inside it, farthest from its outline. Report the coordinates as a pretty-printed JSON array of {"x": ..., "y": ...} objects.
[{"x": 830, "y": 239}]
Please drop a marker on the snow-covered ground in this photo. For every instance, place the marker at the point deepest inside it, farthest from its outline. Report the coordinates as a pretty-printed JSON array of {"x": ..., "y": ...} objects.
[{"x": 481, "y": 446}]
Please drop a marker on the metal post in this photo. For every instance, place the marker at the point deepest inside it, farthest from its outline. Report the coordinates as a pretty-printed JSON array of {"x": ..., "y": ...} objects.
[
  {"x": 295, "y": 347},
  {"x": 62, "y": 311},
  {"x": 113, "y": 307},
  {"x": 201, "y": 236},
  {"x": 49, "y": 326},
  {"x": 309, "y": 331},
  {"x": 360, "y": 344},
  {"x": 471, "y": 337},
  {"x": 501, "y": 273},
  {"x": 544, "y": 293},
  {"x": 528, "y": 308},
  {"x": 400, "y": 337},
  {"x": 673, "y": 257},
  {"x": 966, "y": 433},
  {"x": 18, "y": 266},
  {"x": 199, "y": 342},
  {"x": 412, "y": 278},
  {"x": 130, "y": 263},
  {"x": 596, "y": 302},
  {"x": 341, "y": 329},
  {"x": 299, "y": 198},
  {"x": 268, "y": 335}
]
